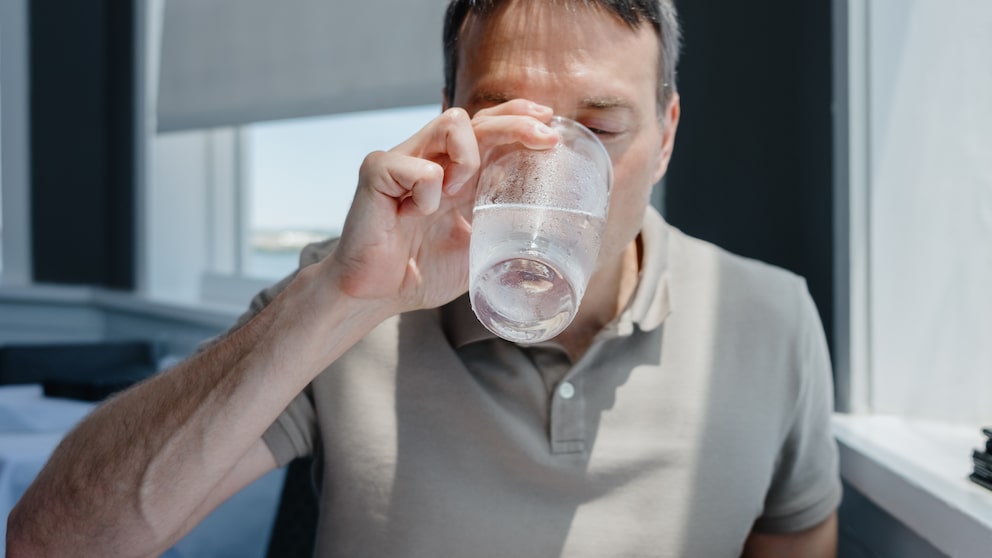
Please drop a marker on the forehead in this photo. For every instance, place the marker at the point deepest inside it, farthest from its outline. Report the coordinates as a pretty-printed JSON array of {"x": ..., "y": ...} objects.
[{"x": 525, "y": 48}]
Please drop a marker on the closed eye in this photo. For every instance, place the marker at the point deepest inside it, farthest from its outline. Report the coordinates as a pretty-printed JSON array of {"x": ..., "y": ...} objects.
[{"x": 603, "y": 134}]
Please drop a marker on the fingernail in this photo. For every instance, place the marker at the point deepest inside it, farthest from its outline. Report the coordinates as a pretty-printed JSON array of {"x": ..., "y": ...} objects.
[
  {"x": 542, "y": 130},
  {"x": 454, "y": 187}
]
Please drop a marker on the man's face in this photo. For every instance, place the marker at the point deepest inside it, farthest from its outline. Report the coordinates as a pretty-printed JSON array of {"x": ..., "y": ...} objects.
[{"x": 587, "y": 65}]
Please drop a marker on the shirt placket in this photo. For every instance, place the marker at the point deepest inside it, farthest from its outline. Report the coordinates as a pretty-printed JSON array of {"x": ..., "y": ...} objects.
[
  {"x": 566, "y": 423},
  {"x": 568, "y": 416}
]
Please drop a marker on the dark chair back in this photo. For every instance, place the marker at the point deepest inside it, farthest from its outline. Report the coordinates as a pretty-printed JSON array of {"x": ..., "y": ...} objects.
[
  {"x": 294, "y": 531},
  {"x": 89, "y": 371}
]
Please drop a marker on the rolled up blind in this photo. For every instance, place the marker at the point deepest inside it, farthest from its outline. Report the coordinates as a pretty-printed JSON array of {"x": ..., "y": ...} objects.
[{"x": 229, "y": 62}]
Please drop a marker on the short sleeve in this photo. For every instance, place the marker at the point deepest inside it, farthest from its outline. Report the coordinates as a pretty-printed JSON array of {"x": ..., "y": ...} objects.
[
  {"x": 293, "y": 433},
  {"x": 806, "y": 485}
]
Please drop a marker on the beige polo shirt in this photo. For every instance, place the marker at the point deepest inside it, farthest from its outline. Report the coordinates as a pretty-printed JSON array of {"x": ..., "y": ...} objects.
[{"x": 699, "y": 414}]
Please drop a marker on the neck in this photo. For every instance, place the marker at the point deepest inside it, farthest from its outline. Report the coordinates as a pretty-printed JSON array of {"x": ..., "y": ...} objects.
[{"x": 609, "y": 291}]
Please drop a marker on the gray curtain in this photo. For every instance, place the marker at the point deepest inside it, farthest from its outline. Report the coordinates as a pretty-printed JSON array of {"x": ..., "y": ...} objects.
[{"x": 229, "y": 62}]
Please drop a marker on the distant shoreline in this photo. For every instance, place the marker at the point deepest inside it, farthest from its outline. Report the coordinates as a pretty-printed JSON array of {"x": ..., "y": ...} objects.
[{"x": 284, "y": 241}]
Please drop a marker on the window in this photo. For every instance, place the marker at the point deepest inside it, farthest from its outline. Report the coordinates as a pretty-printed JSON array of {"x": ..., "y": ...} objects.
[
  {"x": 227, "y": 210},
  {"x": 300, "y": 177},
  {"x": 921, "y": 212},
  {"x": 221, "y": 206}
]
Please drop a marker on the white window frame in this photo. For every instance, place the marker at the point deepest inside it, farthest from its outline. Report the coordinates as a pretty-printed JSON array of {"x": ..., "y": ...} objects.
[
  {"x": 15, "y": 143},
  {"x": 220, "y": 200},
  {"x": 852, "y": 267},
  {"x": 914, "y": 469}
]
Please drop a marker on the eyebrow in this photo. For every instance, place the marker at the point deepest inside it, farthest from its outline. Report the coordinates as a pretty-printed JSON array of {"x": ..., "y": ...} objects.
[
  {"x": 605, "y": 103},
  {"x": 492, "y": 98},
  {"x": 489, "y": 98}
]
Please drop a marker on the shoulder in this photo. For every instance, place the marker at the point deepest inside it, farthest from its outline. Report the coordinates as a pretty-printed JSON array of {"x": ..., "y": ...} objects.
[
  {"x": 755, "y": 324},
  {"x": 735, "y": 287}
]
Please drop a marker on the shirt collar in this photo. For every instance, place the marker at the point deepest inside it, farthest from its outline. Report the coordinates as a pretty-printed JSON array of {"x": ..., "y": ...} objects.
[{"x": 647, "y": 309}]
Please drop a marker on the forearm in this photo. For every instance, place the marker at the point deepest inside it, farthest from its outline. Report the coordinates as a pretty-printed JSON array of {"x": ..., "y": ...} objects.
[{"x": 127, "y": 479}]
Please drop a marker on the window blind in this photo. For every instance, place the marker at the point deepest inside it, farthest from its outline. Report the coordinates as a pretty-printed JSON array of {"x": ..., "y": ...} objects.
[{"x": 230, "y": 62}]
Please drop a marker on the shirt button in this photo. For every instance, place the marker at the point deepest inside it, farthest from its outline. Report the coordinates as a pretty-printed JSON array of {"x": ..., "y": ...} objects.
[{"x": 566, "y": 390}]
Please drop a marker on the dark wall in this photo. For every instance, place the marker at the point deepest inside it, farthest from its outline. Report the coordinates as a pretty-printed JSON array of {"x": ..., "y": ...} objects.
[
  {"x": 752, "y": 168},
  {"x": 82, "y": 148},
  {"x": 865, "y": 530}
]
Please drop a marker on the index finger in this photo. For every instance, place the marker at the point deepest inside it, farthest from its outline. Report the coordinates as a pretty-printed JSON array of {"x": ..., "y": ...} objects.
[
  {"x": 448, "y": 140},
  {"x": 515, "y": 121}
]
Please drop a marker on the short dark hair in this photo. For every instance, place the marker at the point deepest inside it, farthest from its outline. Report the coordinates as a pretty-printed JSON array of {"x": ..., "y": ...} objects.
[{"x": 660, "y": 14}]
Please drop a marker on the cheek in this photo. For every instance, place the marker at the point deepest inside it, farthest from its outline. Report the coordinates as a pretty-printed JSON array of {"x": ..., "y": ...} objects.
[
  {"x": 631, "y": 192},
  {"x": 627, "y": 204},
  {"x": 633, "y": 172}
]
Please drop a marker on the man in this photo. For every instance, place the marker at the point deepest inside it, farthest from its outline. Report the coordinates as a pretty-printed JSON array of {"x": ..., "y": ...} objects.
[{"x": 683, "y": 413}]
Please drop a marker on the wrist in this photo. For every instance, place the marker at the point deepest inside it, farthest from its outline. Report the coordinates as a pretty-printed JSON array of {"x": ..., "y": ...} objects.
[{"x": 315, "y": 316}]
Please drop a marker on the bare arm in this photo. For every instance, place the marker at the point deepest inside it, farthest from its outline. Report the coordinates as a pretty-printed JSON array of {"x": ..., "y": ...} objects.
[
  {"x": 819, "y": 541},
  {"x": 144, "y": 467}
]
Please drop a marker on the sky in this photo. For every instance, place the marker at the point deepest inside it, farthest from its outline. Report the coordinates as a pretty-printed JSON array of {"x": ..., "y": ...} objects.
[{"x": 302, "y": 173}]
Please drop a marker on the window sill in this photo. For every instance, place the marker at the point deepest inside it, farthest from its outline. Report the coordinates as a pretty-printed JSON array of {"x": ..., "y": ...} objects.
[
  {"x": 217, "y": 315},
  {"x": 917, "y": 471}
]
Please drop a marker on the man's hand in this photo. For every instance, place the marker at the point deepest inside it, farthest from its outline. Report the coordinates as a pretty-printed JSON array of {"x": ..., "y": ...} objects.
[{"x": 405, "y": 241}]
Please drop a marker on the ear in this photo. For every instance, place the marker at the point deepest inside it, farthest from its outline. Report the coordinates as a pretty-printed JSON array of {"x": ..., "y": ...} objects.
[
  {"x": 444, "y": 99},
  {"x": 669, "y": 124}
]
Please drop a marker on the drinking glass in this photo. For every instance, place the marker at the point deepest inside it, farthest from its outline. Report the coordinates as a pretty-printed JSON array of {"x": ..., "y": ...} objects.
[{"x": 537, "y": 224}]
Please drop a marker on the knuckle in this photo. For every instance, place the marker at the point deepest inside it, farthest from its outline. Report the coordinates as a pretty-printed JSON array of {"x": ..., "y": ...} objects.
[
  {"x": 373, "y": 160},
  {"x": 456, "y": 115},
  {"x": 433, "y": 172}
]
